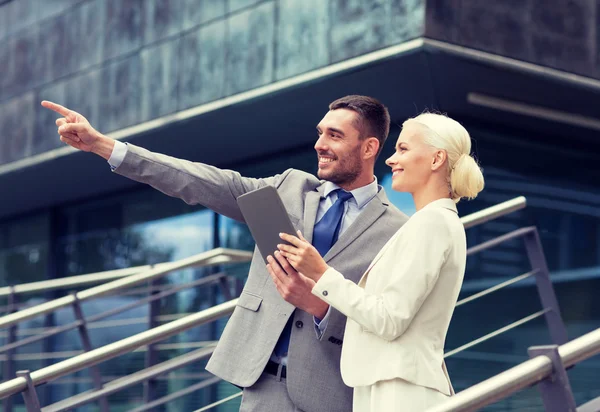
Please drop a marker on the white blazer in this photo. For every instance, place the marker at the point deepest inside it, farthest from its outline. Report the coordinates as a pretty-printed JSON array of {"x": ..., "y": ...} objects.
[{"x": 399, "y": 312}]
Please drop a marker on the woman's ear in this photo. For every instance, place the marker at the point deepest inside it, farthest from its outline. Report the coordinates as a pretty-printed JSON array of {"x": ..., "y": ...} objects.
[
  {"x": 371, "y": 147},
  {"x": 439, "y": 158}
]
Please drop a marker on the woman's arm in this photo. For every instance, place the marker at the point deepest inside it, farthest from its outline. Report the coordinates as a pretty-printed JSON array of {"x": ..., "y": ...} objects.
[{"x": 412, "y": 266}]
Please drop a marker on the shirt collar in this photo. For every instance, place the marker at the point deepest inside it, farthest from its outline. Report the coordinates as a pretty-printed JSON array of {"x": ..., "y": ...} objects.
[
  {"x": 445, "y": 203},
  {"x": 361, "y": 195}
]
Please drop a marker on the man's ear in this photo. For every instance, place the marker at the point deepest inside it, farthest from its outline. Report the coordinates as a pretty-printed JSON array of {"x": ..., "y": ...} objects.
[
  {"x": 440, "y": 157},
  {"x": 370, "y": 147}
]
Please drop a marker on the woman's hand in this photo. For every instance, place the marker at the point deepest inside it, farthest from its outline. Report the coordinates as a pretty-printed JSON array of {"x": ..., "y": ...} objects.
[{"x": 303, "y": 256}]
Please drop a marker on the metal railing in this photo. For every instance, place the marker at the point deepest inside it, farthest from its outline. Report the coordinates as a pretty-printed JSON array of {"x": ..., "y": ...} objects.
[
  {"x": 72, "y": 282},
  {"x": 26, "y": 382},
  {"x": 528, "y": 373},
  {"x": 494, "y": 212},
  {"x": 214, "y": 257},
  {"x": 550, "y": 309}
]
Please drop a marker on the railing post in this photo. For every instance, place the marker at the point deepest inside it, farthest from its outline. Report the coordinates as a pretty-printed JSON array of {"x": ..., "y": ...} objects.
[
  {"x": 9, "y": 368},
  {"x": 555, "y": 389},
  {"x": 556, "y": 326},
  {"x": 32, "y": 403},
  {"x": 151, "y": 385},
  {"x": 225, "y": 288},
  {"x": 239, "y": 286},
  {"x": 87, "y": 346}
]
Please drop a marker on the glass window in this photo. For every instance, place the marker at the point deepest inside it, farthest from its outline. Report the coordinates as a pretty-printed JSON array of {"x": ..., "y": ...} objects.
[
  {"x": 24, "y": 247},
  {"x": 138, "y": 228},
  {"x": 24, "y": 250}
]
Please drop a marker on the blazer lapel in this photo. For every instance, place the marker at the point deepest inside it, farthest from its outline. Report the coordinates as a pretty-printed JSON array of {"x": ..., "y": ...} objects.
[
  {"x": 367, "y": 217},
  {"x": 311, "y": 206}
]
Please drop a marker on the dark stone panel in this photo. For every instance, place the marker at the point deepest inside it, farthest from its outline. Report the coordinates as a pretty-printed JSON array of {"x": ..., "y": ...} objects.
[
  {"x": 250, "y": 48},
  {"x": 16, "y": 134},
  {"x": 202, "y": 59},
  {"x": 502, "y": 33},
  {"x": 3, "y": 23},
  {"x": 50, "y": 39},
  {"x": 45, "y": 135},
  {"x": 573, "y": 19},
  {"x": 59, "y": 44},
  {"x": 407, "y": 20},
  {"x": 163, "y": 19},
  {"x": 120, "y": 95},
  {"x": 213, "y": 54},
  {"x": 235, "y": 5},
  {"x": 159, "y": 79},
  {"x": 49, "y": 8},
  {"x": 92, "y": 16},
  {"x": 196, "y": 12},
  {"x": 301, "y": 37},
  {"x": 25, "y": 60},
  {"x": 7, "y": 70},
  {"x": 559, "y": 53},
  {"x": 21, "y": 13},
  {"x": 442, "y": 19},
  {"x": 65, "y": 57},
  {"x": 71, "y": 41},
  {"x": 190, "y": 86},
  {"x": 83, "y": 95},
  {"x": 125, "y": 21},
  {"x": 357, "y": 27}
]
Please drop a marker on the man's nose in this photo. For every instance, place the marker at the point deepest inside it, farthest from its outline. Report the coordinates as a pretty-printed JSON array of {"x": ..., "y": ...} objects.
[{"x": 320, "y": 144}]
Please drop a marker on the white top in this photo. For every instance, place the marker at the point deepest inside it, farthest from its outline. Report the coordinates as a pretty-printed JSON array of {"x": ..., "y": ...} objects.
[{"x": 398, "y": 314}]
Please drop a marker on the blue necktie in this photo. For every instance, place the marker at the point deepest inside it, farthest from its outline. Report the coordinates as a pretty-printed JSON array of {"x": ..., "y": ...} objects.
[
  {"x": 325, "y": 234},
  {"x": 327, "y": 230}
]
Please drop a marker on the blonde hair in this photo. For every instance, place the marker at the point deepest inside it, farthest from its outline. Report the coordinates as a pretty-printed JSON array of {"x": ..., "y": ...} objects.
[{"x": 465, "y": 179}]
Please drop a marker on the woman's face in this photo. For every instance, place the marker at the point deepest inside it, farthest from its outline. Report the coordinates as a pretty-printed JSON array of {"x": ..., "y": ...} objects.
[{"x": 412, "y": 162}]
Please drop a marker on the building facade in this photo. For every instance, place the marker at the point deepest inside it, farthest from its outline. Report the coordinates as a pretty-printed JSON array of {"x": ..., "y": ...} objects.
[{"x": 241, "y": 84}]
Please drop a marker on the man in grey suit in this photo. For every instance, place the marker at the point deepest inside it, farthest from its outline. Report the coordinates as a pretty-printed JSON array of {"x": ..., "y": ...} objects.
[{"x": 284, "y": 352}]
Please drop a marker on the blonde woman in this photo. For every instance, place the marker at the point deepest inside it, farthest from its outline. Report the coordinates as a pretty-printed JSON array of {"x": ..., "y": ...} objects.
[{"x": 399, "y": 312}]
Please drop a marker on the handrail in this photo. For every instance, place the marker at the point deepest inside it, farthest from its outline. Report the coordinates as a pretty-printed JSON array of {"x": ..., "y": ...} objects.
[
  {"x": 497, "y": 332},
  {"x": 110, "y": 351},
  {"x": 493, "y": 212},
  {"x": 212, "y": 257},
  {"x": 76, "y": 281},
  {"x": 133, "y": 379},
  {"x": 501, "y": 239},
  {"x": 87, "y": 279},
  {"x": 111, "y": 312},
  {"x": 521, "y": 376}
]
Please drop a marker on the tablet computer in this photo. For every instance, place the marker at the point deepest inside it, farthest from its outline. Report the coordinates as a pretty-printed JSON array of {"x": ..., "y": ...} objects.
[{"x": 266, "y": 217}]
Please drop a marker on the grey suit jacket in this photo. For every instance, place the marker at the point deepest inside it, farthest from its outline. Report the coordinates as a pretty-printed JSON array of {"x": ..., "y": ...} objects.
[{"x": 313, "y": 373}]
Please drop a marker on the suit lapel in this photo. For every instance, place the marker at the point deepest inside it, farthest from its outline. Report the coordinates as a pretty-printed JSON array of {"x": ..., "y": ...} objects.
[
  {"x": 365, "y": 219},
  {"x": 311, "y": 206}
]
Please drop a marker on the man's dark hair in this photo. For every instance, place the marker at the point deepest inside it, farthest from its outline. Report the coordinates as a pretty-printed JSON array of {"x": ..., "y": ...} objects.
[{"x": 374, "y": 117}]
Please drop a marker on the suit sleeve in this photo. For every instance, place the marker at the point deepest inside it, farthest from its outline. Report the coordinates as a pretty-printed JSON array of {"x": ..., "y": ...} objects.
[
  {"x": 194, "y": 183},
  {"x": 413, "y": 266}
]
